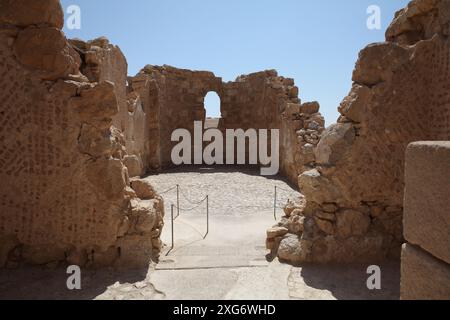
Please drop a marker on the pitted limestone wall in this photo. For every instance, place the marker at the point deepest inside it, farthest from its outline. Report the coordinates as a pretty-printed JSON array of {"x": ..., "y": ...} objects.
[
  {"x": 102, "y": 61},
  {"x": 65, "y": 192},
  {"x": 354, "y": 196},
  {"x": 426, "y": 256},
  {"x": 174, "y": 98}
]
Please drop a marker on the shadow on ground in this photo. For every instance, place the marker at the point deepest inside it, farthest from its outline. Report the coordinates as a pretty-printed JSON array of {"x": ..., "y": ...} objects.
[
  {"x": 37, "y": 283},
  {"x": 346, "y": 282}
]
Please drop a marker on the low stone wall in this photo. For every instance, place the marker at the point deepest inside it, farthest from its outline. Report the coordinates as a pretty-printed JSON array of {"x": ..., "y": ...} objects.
[{"x": 426, "y": 256}]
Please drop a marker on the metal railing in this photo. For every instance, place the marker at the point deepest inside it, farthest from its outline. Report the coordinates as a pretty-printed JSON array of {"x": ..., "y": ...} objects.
[{"x": 196, "y": 204}]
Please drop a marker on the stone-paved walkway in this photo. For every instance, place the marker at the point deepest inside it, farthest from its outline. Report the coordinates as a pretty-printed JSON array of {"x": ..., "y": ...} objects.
[{"x": 229, "y": 264}]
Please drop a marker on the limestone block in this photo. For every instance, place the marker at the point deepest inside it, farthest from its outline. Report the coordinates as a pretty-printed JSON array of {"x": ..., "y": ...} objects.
[
  {"x": 427, "y": 197},
  {"x": 423, "y": 276}
]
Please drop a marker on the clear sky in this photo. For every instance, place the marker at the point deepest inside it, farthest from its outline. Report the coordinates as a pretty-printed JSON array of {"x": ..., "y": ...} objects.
[{"x": 316, "y": 42}]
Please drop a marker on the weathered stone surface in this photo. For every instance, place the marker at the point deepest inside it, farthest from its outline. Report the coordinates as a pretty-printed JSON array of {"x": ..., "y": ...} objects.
[
  {"x": 352, "y": 223},
  {"x": 310, "y": 107},
  {"x": 427, "y": 197},
  {"x": 24, "y": 13},
  {"x": 276, "y": 232},
  {"x": 377, "y": 62},
  {"x": 335, "y": 145},
  {"x": 43, "y": 254},
  {"x": 420, "y": 20},
  {"x": 293, "y": 249},
  {"x": 325, "y": 225},
  {"x": 134, "y": 165},
  {"x": 143, "y": 189},
  {"x": 65, "y": 194},
  {"x": 398, "y": 97},
  {"x": 317, "y": 188},
  {"x": 7, "y": 244},
  {"x": 46, "y": 51},
  {"x": 423, "y": 276},
  {"x": 174, "y": 98},
  {"x": 104, "y": 62},
  {"x": 354, "y": 105}
]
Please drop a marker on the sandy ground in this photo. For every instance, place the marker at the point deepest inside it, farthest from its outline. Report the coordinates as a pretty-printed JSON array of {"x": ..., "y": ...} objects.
[{"x": 228, "y": 264}]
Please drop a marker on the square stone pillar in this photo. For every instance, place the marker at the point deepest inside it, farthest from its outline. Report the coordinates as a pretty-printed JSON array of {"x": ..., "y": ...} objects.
[{"x": 426, "y": 257}]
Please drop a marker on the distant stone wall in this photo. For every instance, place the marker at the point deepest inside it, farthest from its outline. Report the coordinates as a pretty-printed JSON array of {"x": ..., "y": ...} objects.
[
  {"x": 65, "y": 193},
  {"x": 102, "y": 61},
  {"x": 174, "y": 98},
  {"x": 426, "y": 256},
  {"x": 354, "y": 195}
]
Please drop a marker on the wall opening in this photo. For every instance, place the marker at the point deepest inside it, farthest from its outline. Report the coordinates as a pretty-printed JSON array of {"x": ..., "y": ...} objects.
[{"x": 213, "y": 110}]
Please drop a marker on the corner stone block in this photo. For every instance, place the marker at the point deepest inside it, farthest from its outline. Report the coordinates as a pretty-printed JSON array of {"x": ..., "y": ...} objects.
[
  {"x": 427, "y": 197},
  {"x": 423, "y": 276}
]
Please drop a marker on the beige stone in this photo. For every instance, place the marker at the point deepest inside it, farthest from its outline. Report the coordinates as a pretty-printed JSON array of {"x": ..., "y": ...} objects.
[
  {"x": 352, "y": 223},
  {"x": 310, "y": 107},
  {"x": 143, "y": 189},
  {"x": 427, "y": 197},
  {"x": 293, "y": 249},
  {"x": 398, "y": 97},
  {"x": 67, "y": 192},
  {"x": 423, "y": 276},
  {"x": 24, "y": 13},
  {"x": 276, "y": 232},
  {"x": 46, "y": 50}
]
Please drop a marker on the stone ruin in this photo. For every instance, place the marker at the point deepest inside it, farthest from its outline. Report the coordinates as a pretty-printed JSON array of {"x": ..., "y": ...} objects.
[
  {"x": 75, "y": 128},
  {"x": 174, "y": 98},
  {"x": 77, "y": 133},
  {"x": 66, "y": 193},
  {"x": 353, "y": 205}
]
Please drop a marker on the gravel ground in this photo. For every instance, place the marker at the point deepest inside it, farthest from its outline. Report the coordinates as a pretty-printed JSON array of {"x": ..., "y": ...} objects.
[{"x": 233, "y": 191}]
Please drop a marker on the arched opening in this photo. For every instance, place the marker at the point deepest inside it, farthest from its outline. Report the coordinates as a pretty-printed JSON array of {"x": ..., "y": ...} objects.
[{"x": 213, "y": 110}]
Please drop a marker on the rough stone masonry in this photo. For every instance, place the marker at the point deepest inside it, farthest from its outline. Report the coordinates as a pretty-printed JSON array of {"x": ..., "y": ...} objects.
[
  {"x": 65, "y": 194},
  {"x": 353, "y": 205},
  {"x": 75, "y": 128},
  {"x": 174, "y": 99}
]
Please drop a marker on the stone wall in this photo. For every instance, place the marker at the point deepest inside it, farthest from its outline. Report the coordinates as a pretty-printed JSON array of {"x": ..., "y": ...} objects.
[
  {"x": 102, "y": 61},
  {"x": 174, "y": 98},
  {"x": 65, "y": 193},
  {"x": 426, "y": 256},
  {"x": 354, "y": 195}
]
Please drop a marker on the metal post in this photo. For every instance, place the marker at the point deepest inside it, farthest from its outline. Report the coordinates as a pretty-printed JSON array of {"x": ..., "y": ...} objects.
[
  {"x": 178, "y": 200},
  {"x": 173, "y": 242},
  {"x": 275, "y": 204},
  {"x": 207, "y": 217}
]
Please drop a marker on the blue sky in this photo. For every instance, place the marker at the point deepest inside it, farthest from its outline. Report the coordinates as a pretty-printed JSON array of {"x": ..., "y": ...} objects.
[{"x": 316, "y": 42}]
